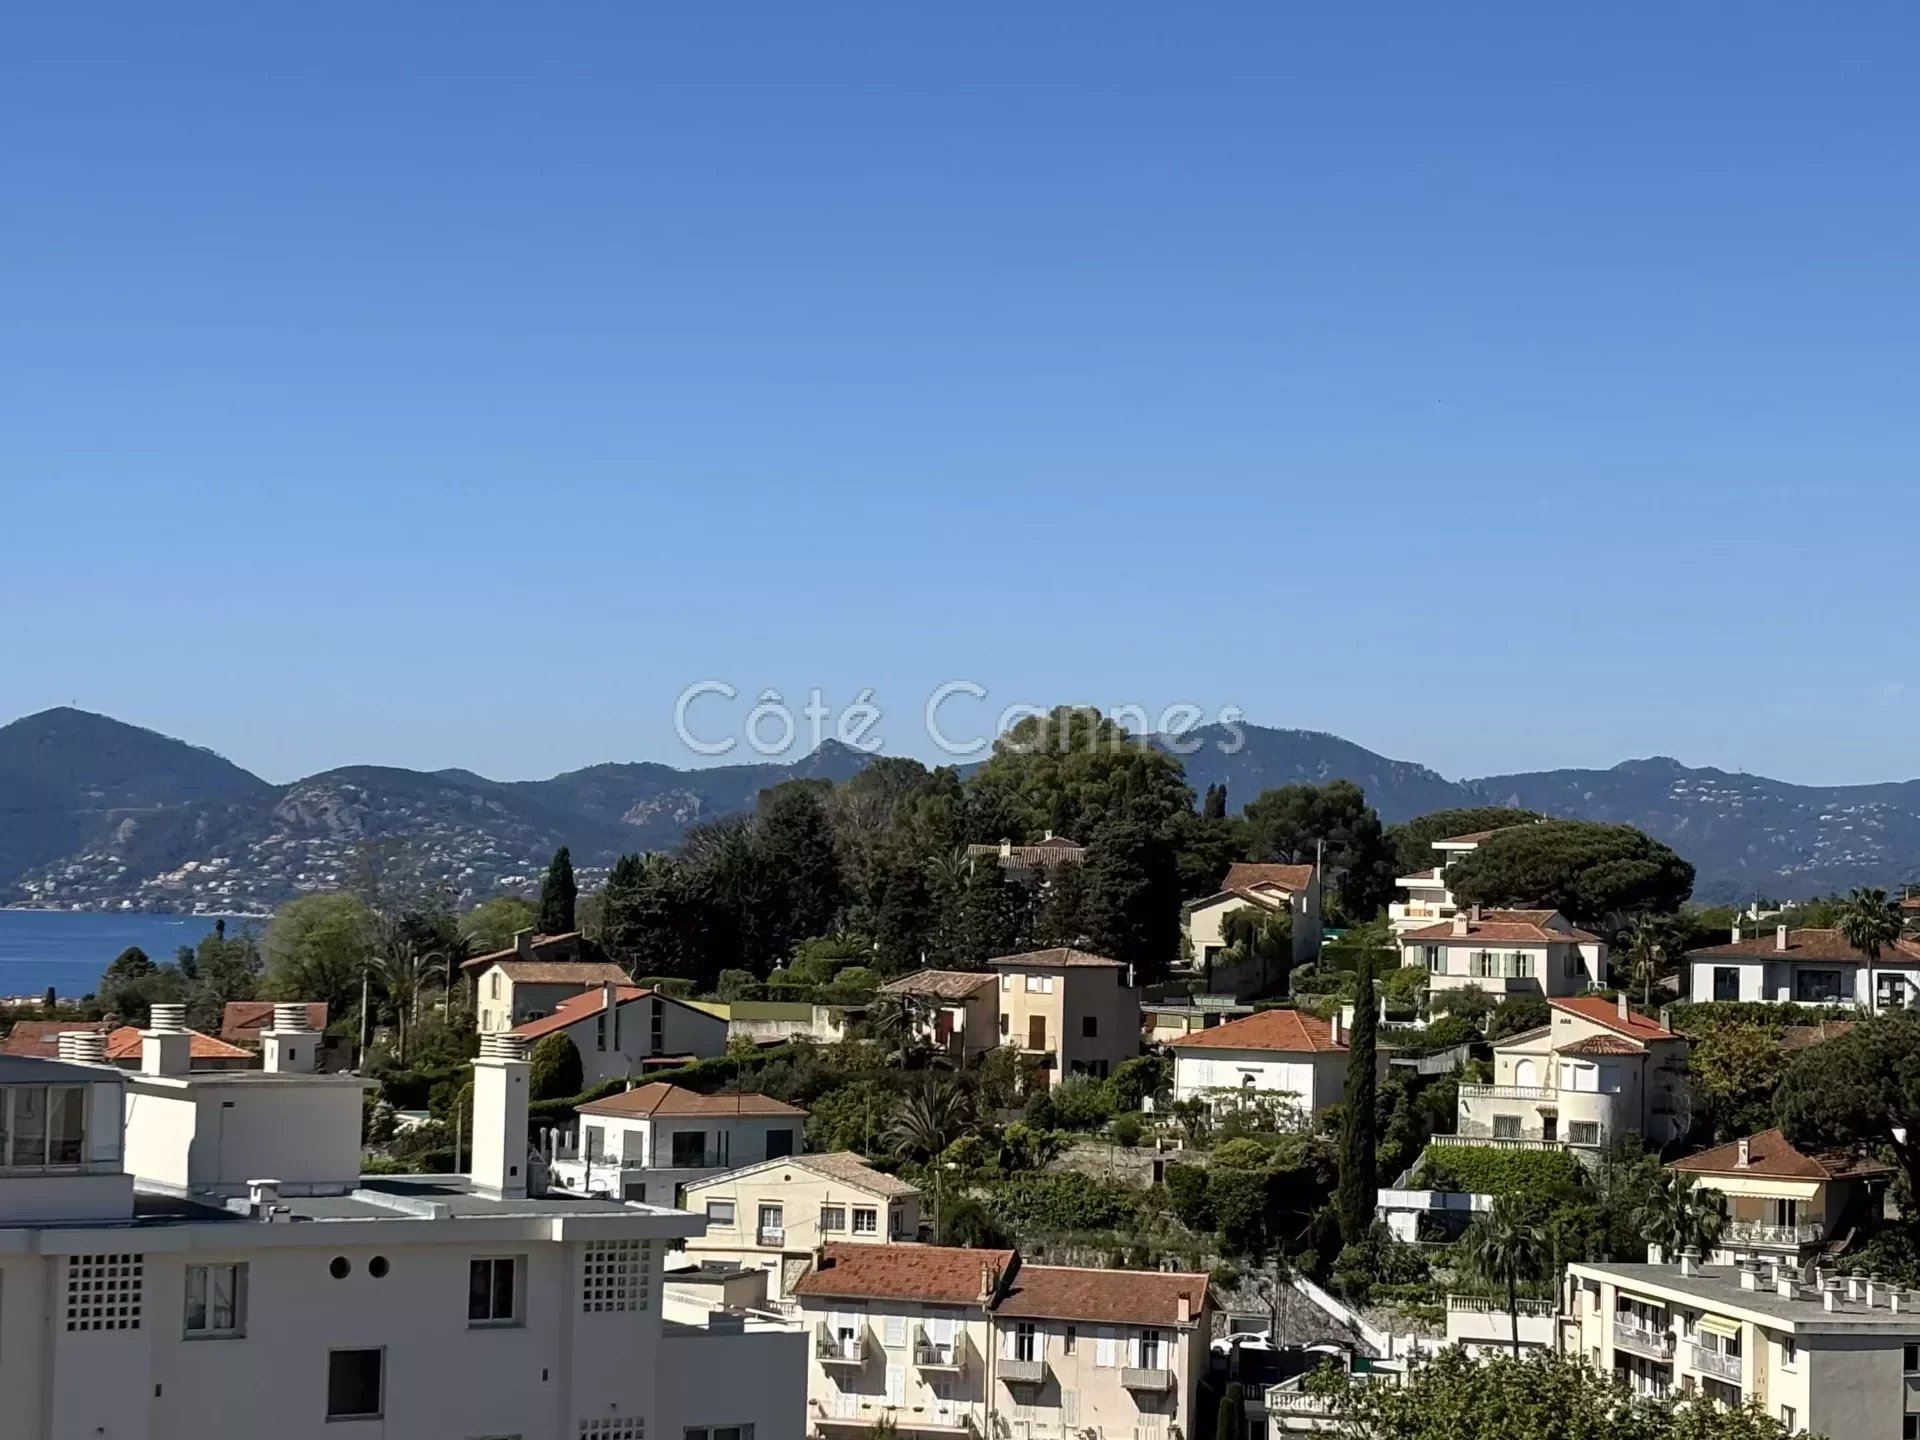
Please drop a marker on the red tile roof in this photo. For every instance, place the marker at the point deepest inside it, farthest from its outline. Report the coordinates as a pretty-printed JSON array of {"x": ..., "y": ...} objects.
[
  {"x": 1245, "y": 874},
  {"x": 1061, "y": 957},
  {"x": 941, "y": 984},
  {"x": 42, "y": 1038},
  {"x": 1137, "y": 1297},
  {"x": 1605, "y": 1010},
  {"x": 584, "y": 1006},
  {"x": 660, "y": 1098},
  {"x": 1809, "y": 945},
  {"x": 1603, "y": 1045},
  {"x": 1290, "y": 1031},
  {"x": 1769, "y": 1155},
  {"x": 566, "y": 945},
  {"x": 942, "y": 1274},
  {"x": 1476, "y": 837},
  {"x": 125, "y": 1044},
  {"x": 248, "y": 1019},
  {"x": 563, "y": 972},
  {"x": 1518, "y": 927}
]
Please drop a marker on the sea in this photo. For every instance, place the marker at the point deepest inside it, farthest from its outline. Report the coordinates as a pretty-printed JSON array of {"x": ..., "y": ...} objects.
[{"x": 69, "y": 949}]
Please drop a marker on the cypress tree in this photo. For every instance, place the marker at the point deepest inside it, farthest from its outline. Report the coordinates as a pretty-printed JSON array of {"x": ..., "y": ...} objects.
[
  {"x": 1231, "y": 1419},
  {"x": 557, "y": 894},
  {"x": 1358, "y": 1142},
  {"x": 1216, "y": 803}
]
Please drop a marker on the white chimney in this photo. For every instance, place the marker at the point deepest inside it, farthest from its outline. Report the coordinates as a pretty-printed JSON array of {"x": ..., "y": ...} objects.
[
  {"x": 1779, "y": 937},
  {"x": 1182, "y": 1309},
  {"x": 1689, "y": 1261},
  {"x": 1620, "y": 1002},
  {"x": 1656, "y": 1255},
  {"x": 83, "y": 1047},
  {"x": 1873, "y": 1286},
  {"x": 1476, "y": 914},
  {"x": 165, "y": 1046},
  {"x": 500, "y": 1094},
  {"x": 1736, "y": 934},
  {"x": 1749, "y": 1279},
  {"x": 287, "y": 1047},
  {"x": 1783, "y": 1286},
  {"x": 1459, "y": 924},
  {"x": 1893, "y": 1301},
  {"x": 610, "y": 1007},
  {"x": 1829, "y": 1299},
  {"x": 1745, "y": 1152},
  {"x": 1047, "y": 836},
  {"x": 1006, "y": 849},
  {"x": 262, "y": 1196},
  {"x": 1853, "y": 1287},
  {"x": 1336, "y": 1027}
]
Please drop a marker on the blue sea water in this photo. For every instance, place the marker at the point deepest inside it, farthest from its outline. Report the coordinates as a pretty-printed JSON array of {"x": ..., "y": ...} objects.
[{"x": 68, "y": 951}]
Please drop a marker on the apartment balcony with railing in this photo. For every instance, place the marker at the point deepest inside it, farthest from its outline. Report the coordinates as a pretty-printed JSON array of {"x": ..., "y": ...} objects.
[
  {"x": 1717, "y": 1363},
  {"x": 1638, "y": 1337},
  {"x": 1147, "y": 1379},
  {"x": 946, "y": 1356},
  {"x": 836, "y": 1349},
  {"x": 1784, "y": 1237},
  {"x": 1016, "y": 1371}
]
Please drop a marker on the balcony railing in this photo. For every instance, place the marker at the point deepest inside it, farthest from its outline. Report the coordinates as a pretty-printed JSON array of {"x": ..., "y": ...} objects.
[
  {"x": 1508, "y": 1092},
  {"x": 1500, "y": 1142},
  {"x": 1752, "y": 1232},
  {"x": 766, "y": 1236},
  {"x": 1716, "y": 1363},
  {"x": 1643, "y": 1340},
  {"x": 1151, "y": 1379},
  {"x": 1023, "y": 1372},
  {"x": 835, "y": 1349},
  {"x": 1484, "y": 1305},
  {"x": 1295, "y": 1402},
  {"x": 941, "y": 1355}
]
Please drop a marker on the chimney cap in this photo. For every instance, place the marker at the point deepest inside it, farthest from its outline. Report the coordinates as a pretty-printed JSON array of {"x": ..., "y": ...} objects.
[
  {"x": 167, "y": 1019},
  {"x": 503, "y": 1047}
]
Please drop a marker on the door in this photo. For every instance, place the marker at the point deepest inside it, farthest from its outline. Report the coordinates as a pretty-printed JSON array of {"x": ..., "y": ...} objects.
[
  {"x": 1549, "y": 1128},
  {"x": 896, "y": 1385},
  {"x": 1036, "y": 1032}
]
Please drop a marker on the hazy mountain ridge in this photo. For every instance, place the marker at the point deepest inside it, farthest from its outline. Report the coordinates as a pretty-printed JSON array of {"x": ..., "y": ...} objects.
[{"x": 98, "y": 814}]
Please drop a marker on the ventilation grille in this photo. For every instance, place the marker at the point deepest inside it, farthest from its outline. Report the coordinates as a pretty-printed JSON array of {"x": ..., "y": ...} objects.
[
  {"x": 104, "y": 1291},
  {"x": 614, "y": 1276},
  {"x": 614, "y": 1427}
]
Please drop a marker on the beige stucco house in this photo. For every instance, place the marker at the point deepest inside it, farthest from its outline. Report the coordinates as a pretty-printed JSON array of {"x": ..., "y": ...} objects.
[
  {"x": 959, "y": 1010},
  {"x": 1289, "y": 1053},
  {"x": 511, "y": 987},
  {"x": 621, "y": 1031},
  {"x": 1268, "y": 889},
  {"x": 1596, "y": 1072},
  {"x": 1783, "y": 1202},
  {"x": 770, "y": 1217},
  {"x": 943, "y": 1342},
  {"x": 1068, "y": 1011},
  {"x": 1507, "y": 952}
]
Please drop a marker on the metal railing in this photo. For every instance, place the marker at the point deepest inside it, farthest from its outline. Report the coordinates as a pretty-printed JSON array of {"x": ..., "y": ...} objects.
[
  {"x": 1643, "y": 1340},
  {"x": 1499, "y": 1142},
  {"x": 1486, "y": 1305},
  {"x": 1151, "y": 1378},
  {"x": 764, "y": 1236},
  {"x": 1508, "y": 1092},
  {"x": 839, "y": 1349},
  {"x": 930, "y": 1354},
  {"x": 1023, "y": 1372},
  {"x": 1716, "y": 1363},
  {"x": 1753, "y": 1232}
]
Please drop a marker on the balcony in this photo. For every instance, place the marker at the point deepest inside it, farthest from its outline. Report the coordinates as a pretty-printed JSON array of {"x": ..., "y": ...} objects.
[
  {"x": 1147, "y": 1379},
  {"x": 1786, "y": 1237},
  {"x": 939, "y": 1357},
  {"x": 1500, "y": 1142},
  {"x": 832, "y": 1349},
  {"x": 1023, "y": 1372},
  {"x": 1643, "y": 1340},
  {"x": 772, "y": 1239},
  {"x": 1715, "y": 1363},
  {"x": 1509, "y": 1092}
]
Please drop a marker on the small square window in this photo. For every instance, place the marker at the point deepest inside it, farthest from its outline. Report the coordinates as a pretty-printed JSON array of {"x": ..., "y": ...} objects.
[
  {"x": 493, "y": 1291},
  {"x": 720, "y": 1213},
  {"x": 866, "y": 1221},
  {"x": 215, "y": 1301},
  {"x": 833, "y": 1218},
  {"x": 356, "y": 1384},
  {"x": 1089, "y": 1026}
]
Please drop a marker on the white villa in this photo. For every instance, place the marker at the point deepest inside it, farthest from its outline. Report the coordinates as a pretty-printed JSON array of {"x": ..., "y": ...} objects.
[
  {"x": 189, "y": 1255},
  {"x": 1782, "y": 1202},
  {"x": 1807, "y": 967},
  {"x": 1271, "y": 1052},
  {"x": 622, "y": 1030},
  {"x": 1507, "y": 952},
  {"x": 648, "y": 1142},
  {"x": 1428, "y": 899}
]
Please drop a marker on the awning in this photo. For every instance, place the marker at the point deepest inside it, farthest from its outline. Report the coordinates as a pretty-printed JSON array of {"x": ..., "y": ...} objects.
[{"x": 1714, "y": 1325}]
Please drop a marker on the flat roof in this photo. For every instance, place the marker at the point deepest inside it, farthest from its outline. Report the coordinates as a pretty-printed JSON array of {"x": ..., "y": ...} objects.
[
  {"x": 1717, "y": 1288},
  {"x": 37, "y": 1070}
]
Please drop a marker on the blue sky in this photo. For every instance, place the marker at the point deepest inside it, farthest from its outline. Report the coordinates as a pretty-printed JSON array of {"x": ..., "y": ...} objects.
[{"x": 1500, "y": 387}]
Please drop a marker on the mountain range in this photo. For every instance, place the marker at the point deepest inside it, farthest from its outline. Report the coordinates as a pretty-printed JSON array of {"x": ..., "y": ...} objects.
[{"x": 98, "y": 814}]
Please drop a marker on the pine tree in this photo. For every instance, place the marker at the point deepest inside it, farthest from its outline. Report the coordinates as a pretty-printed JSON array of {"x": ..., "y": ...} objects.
[
  {"x": 557, "y": 895},
  {"x": 1358, "y": 1141},
  {"x": 1215, "y": 807}
]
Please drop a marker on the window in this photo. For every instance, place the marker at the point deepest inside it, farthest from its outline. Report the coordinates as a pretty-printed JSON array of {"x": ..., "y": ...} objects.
[
  {"x": 896, "y": 1222},
  {"x": 1789, "y": 1352},
  {"x": 1789, "y": 1419},
  {"x": 1069, "y": 1337},
  {"x": 596, "y": 1143},
  {"x": 893, "y": 1331},
  {"x": 657, "y": 1039},
  {"x": 600, "y": 1031},
  {"x": 1006, "y": 981},
  {"x": 215, "y": 1305},
  {"x": 720, "y": 1213},
  {"x": 43, "y": 1126},
  {"x": 1506, "y": 1127},
  {"x": 773, "y": 1228},
  {"x": 1819, "y": 986},
  {"x": 1584, "y": 1132},
  {"x": 1910, "y": 1359},
  {"x": 1910, "y": 1427},
  {"x": 779, "y": 1143},
  {"x": 1570, "y": 964},
  {"x": 1151, "y": 1349},
  {"x": 493, "y": 986},
  {"x": 1089, "y": 1027},
  {"x": 719, "y": 1432},
  {"x": 690, "y": 1149},
  {"x": 1436, "y": 961},
  {"x": 866, "y": 1220},
  {"x": 493, "y": 1291},
  {"x": 356, "y": 1381},
  {"x": 833, "y": 1217},
  {"x": 614, "y": 1427},
  {"x": 1006, "y": 1024},
  {"x": 1033, "y": 984},
  {"x": 1726, "y": 982},
  {"x": 1026, "y": 1342}
]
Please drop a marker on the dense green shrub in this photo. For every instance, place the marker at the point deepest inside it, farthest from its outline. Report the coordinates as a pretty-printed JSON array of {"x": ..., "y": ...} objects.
[
  {"x": 1038, "y": 1204},
  {"x": 1699, "y": 1016},
  {"x": 1485, "y": 1170},
  {"x": 554, "y": 1069}
]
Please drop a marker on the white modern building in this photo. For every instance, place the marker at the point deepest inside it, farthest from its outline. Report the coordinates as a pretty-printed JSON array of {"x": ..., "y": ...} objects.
[
  {"x": 1818, "y": 1353},
  {"x": 648, "y": 1142},
  {"x": 1807, "y": 967},
  {"x": 1285, "y": 1053},
  {"x": 621, "y": 1031},
  {"x": 195, "y": 1256},
  {"x": 1506, "y": 952},
  {"x": 1428, "y": 900}
]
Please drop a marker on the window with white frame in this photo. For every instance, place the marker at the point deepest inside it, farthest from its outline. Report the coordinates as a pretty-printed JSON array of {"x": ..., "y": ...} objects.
[
  {"x": 493, "y": 1291},
  {"x": 493, "y": 986},
  {"x": 893, "y": 1331},
  {"x": 216, "y": 1302},
  {"x": 1152, "y": 1349},
  {"x": 833, "y": 1218},
  {"x": 1789, "y": 1352},
  {"x": 773, "y": 1227},
  {"x": 43, "y": 1127},
  {"x": 105, "y": 1292},
  {"x": 866, "y": 1220},
  {"x": 1026, "y": 1340}
]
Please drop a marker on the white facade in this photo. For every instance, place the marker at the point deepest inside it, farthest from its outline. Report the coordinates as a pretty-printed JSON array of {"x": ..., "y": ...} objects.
[
  {"x": 1313, "y": 1080},
  {"x": 650, "y": 1157},
  {"x": 419, "y": 1307},
  {"x": 1806, "y": 967},
  {"x": 618, "y": 1030},
  {"x": 1428, "y": 900}
]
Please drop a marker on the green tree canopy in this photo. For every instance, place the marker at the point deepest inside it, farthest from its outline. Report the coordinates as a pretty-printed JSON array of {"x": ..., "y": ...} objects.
[
  {"x": 491, "y": 925},
  {"x": 317, "y": 947},
  {"x": 1859, "y": 1090},
  {"x": 554, "y": 1069},
  {"x": 1294, "y": 822},
  {"x": 1869, "y": 921},
  {"x": 1359, "y": 1136},
  {"x": 558, "y": 896},
  {"x": 1412, "y": 841},
  {"x": 1582, "y": 868},
  {"x": 1069, "y": 770}
]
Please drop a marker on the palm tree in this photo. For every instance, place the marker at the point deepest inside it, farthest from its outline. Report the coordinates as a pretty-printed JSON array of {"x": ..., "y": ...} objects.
[
  {"x": 1869, "y": 922},
  {"x": 401, "y": 968},
  {"x": 1503, "y": 1247},
  {"x": 899, "y": 1022},
  {"x": 1677, "y": 1215},
  {"x": 925, "y": 1123},
  {"x": 1643, "y": 951}
]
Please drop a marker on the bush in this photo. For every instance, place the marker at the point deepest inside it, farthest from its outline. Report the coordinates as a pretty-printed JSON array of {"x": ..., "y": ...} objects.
[
  {"x": 677, "y": 986},
  {"x": 1187, "y": 1192},
  {"x": 554, "y": 1068},
  {"x": 1469, "y": 1002},
  {"x": 1136, "y": 1079},
  {"x": 1449, "y": 1031},
  {"x": 738, "y": 985},
  {"x": 1697, "y": 1017},
  {"x": 1083, "y": 1103},
  {"x": 1039, "y": 1204},
  {"x": 1481, "y": 1170},
  {"x": 1517, "y": 1013},
  {"x": 1126, "y": 1130}
]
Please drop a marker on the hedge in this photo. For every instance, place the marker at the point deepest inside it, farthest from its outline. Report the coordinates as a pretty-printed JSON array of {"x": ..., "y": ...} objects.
[
  {"x": 1487, "y": 1170},
  {"x": 1699, "y": 1016}
]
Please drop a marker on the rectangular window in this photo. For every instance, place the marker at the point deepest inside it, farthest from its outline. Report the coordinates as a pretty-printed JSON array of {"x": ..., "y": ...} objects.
[
  {"x": 1105, "y": 1344},
  {"x": 1033, "y": 984},
  {"x": 1151, "y": 1349},
  {"x": 866, "y": 1220},
  {"x": 1069, "y": 1337},
  {"x": 1089, "y": 1027},
  {"x": 779, "y": 1144},
  {"x": 657, "y": 1040},
  {"x": 1006, "y": 981},
  {"x": 689, "y": 1149},
  {"x": 215, "y": 1308},
  {"x": 1435, "y": 963},
  {"x": 596, "y": 1143},
  {"x": 833, "y": 1217},
  {"x": 1910, "y": 1427},
  {"x": 773, "y": 1230},
  {"x": 896, "y": 1221},
  {"x": 1006, "y": 1025},
  {"x": 720, "y": 1214},
  {"x": 1910, "y": 1359},
  {"x": 356, "y": 1383},
  {"x": 1026, "y": 1343},
  {"x": 493, "y": 986},
  {"x": 893, "y": 1331},
  {"x": 1584, "y": 1132},
  {"x": 600, "y": 1032},
  {"x": 1789, "y": 1352},
  {"x": 719, "y": 1432},
  {"x": 493, "y": 1291},
  {"x": 1506, "y": 1127}
]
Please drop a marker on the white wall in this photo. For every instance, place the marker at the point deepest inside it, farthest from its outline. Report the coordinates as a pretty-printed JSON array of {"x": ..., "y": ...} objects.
[
  {"x": 756, "y": 1378},
  {"x": 683, "y": 1031},
  {"x": 206, "y": 1134},
  {"x": 1318, "y": 1080}
]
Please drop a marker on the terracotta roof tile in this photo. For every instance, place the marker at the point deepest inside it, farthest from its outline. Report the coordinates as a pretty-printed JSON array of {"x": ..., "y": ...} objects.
[
  {"x": 1769, "y": 1155},
  {"x": 1605, "y": 1010},
  {"x": 1492, "y": 927},
  {"x": 247, "y": 1019},
  {"x": 940, "y": 984},
  {"x": 125, "y": 1044},
  {"x": 1056, "y": 850},
  {"x": 567, "y": 944},
  {"x": 1603, "y": 1045},
  {"x": 563, "y": 972},
  {"x": 850, "y": 1169},
  {"x": 1807, "y": 945},
  {"x": 590, "y": 1002},
  {"x": 1245, "y": 874},
  {"x": 659, "y": 1098},
  {"x": 1138, "y": 1297},
  {"x": 42, "y": 1038},
  {"x": 1290, "y": 1031},
  {"x": 942, "y": 1274},
  {"x": 1061, "y": 957}
]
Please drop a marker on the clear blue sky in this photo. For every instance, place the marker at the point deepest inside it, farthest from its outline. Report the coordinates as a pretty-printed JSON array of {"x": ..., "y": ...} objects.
[{"x": 1498, "y": 386}]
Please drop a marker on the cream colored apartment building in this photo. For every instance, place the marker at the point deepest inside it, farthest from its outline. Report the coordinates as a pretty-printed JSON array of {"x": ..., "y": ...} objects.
[{"x": 1071, "y": 1012}]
